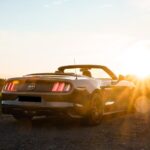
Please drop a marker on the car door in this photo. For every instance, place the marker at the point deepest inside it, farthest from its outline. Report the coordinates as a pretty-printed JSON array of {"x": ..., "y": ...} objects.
[
  {"x": 110, "y": 103},
  {"x": 116, "y": 92},
  {"x": 123, "y": 94},
  {"x": 106, "y": 86}
]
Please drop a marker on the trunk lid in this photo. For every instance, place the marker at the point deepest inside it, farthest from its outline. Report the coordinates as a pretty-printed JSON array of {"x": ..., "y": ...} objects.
[{"x": 39, "y": 84}]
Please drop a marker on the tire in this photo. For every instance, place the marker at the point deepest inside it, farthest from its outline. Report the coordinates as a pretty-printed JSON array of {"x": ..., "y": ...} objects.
[{"x": 95, "y": 114}]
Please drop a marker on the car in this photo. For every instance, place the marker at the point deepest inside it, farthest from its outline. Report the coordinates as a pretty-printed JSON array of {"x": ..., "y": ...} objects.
[{"x": 87, "y": 92}]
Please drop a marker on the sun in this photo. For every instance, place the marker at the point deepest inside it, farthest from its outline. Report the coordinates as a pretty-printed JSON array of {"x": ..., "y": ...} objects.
[{"x": 136, "y": 59}]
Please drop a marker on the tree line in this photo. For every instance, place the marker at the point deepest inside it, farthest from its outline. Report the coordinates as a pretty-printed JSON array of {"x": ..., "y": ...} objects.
[{"x": 2, "y": 82}]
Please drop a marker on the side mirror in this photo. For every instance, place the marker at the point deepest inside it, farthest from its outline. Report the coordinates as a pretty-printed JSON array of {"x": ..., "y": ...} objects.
[{"x": 121, "y": 77}]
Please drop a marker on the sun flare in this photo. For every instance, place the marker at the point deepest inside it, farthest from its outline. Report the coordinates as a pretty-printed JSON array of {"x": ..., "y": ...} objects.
[{"x": 137, "y": 60}]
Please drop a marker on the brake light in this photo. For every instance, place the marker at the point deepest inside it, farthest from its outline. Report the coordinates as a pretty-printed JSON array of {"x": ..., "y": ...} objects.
[
  {"x": 55, "y": 87},
  {"x": 61, "y": 87},
  {"x": 10, "y": 87}
]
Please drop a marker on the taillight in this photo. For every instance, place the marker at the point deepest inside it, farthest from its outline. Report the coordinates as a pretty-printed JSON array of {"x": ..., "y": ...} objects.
[
  {"x": 10, "y": 86},
  {"x": 61, "y": 87}
]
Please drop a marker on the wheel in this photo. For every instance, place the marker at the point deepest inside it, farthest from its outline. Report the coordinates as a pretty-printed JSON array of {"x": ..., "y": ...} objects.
[
  {"x": 22, "y": 117},
  {"x": 95, "y": 114}
]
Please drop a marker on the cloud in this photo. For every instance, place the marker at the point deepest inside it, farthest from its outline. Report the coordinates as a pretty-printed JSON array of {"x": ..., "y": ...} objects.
[
  {"x": 59, "y": 2},
  {"x": 46, "y": 6},
  {"x": 66, "y": 0},
  {"x": 55, "y": 2},
  {"x": 106, "y": 6}
]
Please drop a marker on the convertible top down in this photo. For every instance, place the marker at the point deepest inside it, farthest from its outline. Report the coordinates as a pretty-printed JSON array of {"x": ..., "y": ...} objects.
[{"x": 78, "y": 91}]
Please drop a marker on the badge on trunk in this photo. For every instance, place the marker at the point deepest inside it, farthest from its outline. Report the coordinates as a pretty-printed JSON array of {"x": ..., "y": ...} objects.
[{"x": 31, "y": 86}]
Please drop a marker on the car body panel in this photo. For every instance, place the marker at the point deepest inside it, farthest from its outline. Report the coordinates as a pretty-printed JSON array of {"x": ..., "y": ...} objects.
[{"x": 34, "y": 93}]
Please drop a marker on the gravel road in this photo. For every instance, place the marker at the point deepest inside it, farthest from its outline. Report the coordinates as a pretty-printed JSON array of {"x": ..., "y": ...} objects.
[{"x": 117, "y": 132}]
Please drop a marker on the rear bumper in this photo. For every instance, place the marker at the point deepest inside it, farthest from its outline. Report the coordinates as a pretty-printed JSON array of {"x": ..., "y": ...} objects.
[
  {"x": 38, "y": 104},
  {"x": 43, "y": 108}
]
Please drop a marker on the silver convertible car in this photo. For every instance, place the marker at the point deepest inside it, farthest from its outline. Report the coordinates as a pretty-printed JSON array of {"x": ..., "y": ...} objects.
[{"x": 78, "y": 91}]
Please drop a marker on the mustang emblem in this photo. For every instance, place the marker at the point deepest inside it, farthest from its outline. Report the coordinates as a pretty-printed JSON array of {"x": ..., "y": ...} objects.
[{"x": 31, "y": 86}]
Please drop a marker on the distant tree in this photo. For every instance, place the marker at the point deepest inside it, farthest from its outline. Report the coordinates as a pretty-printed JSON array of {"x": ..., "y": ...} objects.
[{"x": 2, "y": 82}]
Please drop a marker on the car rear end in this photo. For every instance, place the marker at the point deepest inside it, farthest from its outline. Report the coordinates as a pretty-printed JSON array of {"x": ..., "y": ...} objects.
[{"x": 35, "y": 96}]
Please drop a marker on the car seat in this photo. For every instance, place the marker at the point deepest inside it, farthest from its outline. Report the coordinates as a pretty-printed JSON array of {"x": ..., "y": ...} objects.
[{"x": 87, "y": 73}]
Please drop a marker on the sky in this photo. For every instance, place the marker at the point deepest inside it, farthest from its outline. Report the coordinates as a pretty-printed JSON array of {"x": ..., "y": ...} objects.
[{"x": 40, "y": 35}]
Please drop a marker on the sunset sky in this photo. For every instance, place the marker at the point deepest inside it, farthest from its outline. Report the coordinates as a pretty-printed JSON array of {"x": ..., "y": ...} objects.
[{"x": 40, "y": 35}]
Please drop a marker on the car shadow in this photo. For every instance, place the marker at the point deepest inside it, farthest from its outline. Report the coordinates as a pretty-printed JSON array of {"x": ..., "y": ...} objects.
[{"x": 63, "y": 123}]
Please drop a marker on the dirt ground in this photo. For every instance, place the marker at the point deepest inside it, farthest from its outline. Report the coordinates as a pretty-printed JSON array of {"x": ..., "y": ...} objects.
[{"x": 116, "y": 132}]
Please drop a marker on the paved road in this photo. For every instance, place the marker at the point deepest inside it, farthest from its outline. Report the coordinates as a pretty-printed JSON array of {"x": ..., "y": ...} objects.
[{"x": 131, "y": 132}]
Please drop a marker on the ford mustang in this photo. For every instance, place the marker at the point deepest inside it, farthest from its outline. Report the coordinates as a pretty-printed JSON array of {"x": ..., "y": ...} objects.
[{"x": 78, "y": 91}]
